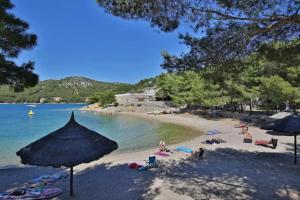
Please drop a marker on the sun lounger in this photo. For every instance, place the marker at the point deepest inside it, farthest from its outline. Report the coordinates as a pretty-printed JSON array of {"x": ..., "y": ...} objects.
[{"x": 29, "y": 194}]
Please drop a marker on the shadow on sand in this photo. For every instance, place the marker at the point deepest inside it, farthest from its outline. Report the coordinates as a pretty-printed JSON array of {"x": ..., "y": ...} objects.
[{"x": 221, "y": 174}]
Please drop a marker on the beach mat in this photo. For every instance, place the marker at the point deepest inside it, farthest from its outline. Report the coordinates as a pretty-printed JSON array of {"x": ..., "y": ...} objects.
[
  {"x": 48, "y": 178},
  {"x": 184, "y": 149}
]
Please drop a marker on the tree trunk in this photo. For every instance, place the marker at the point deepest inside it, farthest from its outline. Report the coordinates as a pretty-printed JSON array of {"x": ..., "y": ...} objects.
[
  {"x": 250, "y": 106},
  {"x": 295, "y": 148},
  {"x": 71, "y": 181},
  {"x": 294, "y": 108},
  {"x": 242, "y": 109}
]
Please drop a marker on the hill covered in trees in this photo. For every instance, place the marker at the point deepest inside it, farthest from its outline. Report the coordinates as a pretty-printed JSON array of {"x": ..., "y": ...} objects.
[{"x": 70, "y": 89}]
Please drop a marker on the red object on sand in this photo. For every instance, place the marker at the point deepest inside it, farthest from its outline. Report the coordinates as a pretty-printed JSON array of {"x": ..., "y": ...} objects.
[
  {"x": 133, "y": 165},
  {"x": 261, "y": 142}
]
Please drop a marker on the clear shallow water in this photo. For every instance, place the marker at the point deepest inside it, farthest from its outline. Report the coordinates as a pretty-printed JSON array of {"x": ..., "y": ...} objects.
[{"x": 17, "y": 129}]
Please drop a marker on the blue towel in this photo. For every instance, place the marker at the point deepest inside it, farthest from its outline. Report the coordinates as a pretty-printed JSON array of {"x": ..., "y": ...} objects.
[
  {"x": 50, "y": 178},
  {"x": 184, "y": 149},
  {"x": 212, "y": 132}
]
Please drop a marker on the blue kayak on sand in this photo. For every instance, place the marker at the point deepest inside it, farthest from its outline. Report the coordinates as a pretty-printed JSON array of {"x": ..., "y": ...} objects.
[{"x": 184, "y": 149}]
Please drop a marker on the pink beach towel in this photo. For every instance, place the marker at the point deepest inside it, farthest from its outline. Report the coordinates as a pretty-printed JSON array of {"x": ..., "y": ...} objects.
[{"x": 163, "y": 154}]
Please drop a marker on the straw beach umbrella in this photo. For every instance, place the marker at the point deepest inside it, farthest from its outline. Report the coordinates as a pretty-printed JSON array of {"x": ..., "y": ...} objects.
[
  {"x": 68, "y": 146},
  {"x": 288, "y": 126}
]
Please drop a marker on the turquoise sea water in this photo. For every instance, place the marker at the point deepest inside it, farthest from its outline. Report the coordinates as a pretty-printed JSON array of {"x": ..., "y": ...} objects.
[{"x": 17, "y": 128}]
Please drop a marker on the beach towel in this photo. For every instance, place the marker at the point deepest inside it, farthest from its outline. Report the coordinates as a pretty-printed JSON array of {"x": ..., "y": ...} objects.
[
  {"x": 266, "y": 143},
  {"x": 161, "y": 153},
  {"x": 48, "y": 178},
  {"x": 184, "y": 149},
  {"x": 213, "y": 141},
  {"x": 247, "y": 140},
  {"x": 212, "y": 132},
  {"x": 262, "y": 142}
]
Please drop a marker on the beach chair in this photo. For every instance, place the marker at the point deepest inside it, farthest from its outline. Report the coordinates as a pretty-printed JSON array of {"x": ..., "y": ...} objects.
[{"x": 151, "y": 161}]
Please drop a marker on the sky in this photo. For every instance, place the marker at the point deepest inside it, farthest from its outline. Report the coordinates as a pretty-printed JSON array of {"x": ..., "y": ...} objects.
[{"x": 78, "y": 38}]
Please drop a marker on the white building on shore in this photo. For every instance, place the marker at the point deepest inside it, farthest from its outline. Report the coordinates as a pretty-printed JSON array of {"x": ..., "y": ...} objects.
[{"x": 136, "y": 99}]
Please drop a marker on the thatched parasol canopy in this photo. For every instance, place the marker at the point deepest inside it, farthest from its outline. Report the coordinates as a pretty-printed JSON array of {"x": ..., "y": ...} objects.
[
  {"x": 68, "y": 146},
  {"x": 288, "y": 126}
]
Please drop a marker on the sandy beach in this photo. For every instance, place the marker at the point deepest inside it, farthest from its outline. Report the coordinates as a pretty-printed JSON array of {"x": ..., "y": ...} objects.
[{"x": 230, "y": 170}]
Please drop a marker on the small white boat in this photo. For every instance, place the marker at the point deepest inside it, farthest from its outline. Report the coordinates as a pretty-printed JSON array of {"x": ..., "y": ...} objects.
[
  {"x": 31, "y": 105},
  {"x": 30, "y": 112}
]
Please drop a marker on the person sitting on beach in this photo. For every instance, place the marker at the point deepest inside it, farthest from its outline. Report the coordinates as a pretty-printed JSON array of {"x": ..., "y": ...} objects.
[
  {"x": 198, "y": 153},
  {"x": 162, "y": 146},
  {"x": 247, "y": 137},
  {"x": 244, "y": 130}
]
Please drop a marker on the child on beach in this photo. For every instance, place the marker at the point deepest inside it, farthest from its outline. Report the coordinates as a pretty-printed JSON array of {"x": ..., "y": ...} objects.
[{"x": 162, "y": 146}]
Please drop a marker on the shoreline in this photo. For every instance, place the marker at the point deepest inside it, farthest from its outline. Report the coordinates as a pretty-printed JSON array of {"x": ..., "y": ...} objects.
[
  {"x": 228, "y": 133},
  {"x": 242, "y": 165}
]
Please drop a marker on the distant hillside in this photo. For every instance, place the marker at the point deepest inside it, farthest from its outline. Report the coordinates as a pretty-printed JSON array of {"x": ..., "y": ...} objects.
[{"x": 70, "y": 89}]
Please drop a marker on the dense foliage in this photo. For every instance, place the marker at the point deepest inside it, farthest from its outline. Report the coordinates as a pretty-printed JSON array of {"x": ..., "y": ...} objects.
[
  {"x": 105, "y": 97},
  {"x": 13, "y": 39},
  {"x": 225, "y": 31},
  {"x": 240, "y": 51},
  {"x": 189, "y": 88},
  {"x": 258, "y": 80}
]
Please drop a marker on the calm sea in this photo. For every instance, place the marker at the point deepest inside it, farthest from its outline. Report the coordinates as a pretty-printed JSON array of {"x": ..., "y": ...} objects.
[{"x": 17, "y": 128}]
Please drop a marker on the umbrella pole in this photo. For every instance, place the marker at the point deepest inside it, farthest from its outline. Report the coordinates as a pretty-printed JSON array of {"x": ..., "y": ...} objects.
[
  {"x": 295, "y": 148},
  {"x": 71, "y": 181}
]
